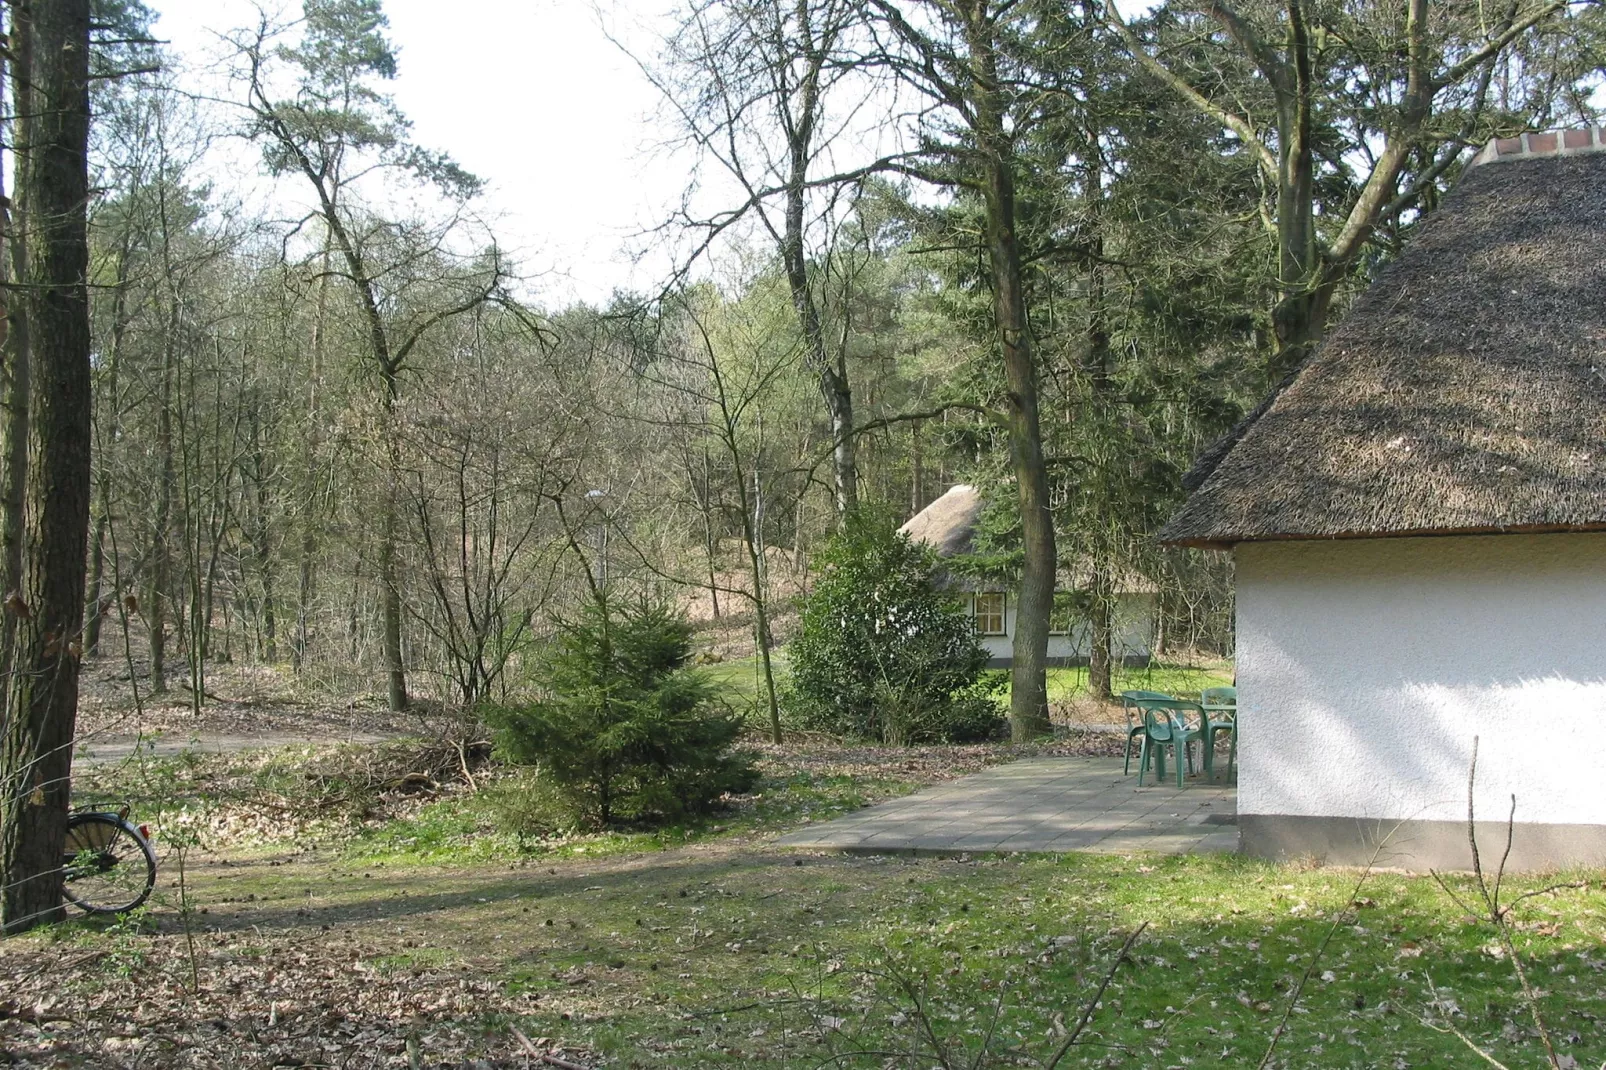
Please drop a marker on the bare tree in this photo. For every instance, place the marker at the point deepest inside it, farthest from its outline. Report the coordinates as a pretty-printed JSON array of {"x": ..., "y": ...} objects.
[
  {"x": 478, "y": 477},
  {"x": 770, "y": 93},
  {"x": 712, "y": 377},
  {"x": 334, "y": 131}
]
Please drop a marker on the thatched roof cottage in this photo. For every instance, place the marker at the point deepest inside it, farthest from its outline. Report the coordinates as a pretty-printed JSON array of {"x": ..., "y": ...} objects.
[
  {"x": 1419, "y": 523},
  {"x": 948, "y": 525}
]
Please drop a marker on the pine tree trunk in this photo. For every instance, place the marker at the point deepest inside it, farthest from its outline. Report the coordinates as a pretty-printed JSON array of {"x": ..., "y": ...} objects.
[
  {"x": 42, "y": 696},
  {"x": 270, "y": 621},
  {"x": 304, "y": 592},
  {"x": 1028, "y": 711},
  {"x": 14, "y": 379},
  {"x": 389, "y": 368},
  {"x": 305, "y": 571},
  {"x": 389, "y": 580}
]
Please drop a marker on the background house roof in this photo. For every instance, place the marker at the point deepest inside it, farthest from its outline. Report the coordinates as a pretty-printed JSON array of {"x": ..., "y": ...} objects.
[
  {"x": 949, "y": 524},
  {"x": 1465, "y": 391}
]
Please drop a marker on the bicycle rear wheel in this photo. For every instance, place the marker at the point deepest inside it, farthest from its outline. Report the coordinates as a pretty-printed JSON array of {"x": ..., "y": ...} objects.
[{"x": 108, "y": 866}]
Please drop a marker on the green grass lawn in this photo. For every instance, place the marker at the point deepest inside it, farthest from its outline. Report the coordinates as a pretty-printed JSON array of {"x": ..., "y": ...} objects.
[
  {"x": 705, "y": 946},
  {"x": 1184, "y": 681},
  {"x": 741, "y": 680}
]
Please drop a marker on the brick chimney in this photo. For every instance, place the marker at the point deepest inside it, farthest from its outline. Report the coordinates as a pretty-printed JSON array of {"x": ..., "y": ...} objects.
[{"x": 1550, "y": 143}]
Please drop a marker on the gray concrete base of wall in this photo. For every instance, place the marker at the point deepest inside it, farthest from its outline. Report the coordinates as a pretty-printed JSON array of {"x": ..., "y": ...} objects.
[{"x": 1421, "y": 845}]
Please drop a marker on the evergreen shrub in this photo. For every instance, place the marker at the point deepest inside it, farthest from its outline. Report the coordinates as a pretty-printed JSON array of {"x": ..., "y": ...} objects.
[
  {"x": 882, "y": 651},
  {"x": 626, "y": 731}
]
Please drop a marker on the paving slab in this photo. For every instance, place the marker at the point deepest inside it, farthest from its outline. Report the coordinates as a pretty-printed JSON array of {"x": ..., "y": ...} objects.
[{"x": 1039, "y": 805}]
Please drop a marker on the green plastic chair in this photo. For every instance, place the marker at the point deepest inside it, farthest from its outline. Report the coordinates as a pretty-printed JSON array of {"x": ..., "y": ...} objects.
[
  {"x": 1134, "y": 722},
  {"x": 1217, "y": 721},
  {"x": 1165, "y": 724}
]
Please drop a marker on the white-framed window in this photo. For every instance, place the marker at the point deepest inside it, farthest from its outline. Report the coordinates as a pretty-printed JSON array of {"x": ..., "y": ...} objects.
[{"x": 988, "y": 607}]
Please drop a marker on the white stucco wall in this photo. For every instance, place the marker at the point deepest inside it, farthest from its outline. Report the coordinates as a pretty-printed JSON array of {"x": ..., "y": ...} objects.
[
  {"x": 998, "y": 646},
  {"x": 1133, "y": 628},
  {"x": 1365, "y": 668}
]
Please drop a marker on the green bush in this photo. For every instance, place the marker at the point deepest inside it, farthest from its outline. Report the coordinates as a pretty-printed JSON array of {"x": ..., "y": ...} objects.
[
  {"x": 882, "y": 653},
  {"x": 626, "y": 731}
]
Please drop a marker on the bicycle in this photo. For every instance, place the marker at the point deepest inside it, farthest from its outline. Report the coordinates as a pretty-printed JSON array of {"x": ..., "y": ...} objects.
[{"x": 108, "y": 863}]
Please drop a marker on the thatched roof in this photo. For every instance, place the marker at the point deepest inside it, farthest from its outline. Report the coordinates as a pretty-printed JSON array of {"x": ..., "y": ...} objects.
[
  {"x": 949, "y": 524},
  {"x": 1465, "y": 392}
]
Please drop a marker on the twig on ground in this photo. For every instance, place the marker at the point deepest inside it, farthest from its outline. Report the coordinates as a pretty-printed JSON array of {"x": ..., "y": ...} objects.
[
  {"x": 544, "y": 1056},
  {"x": 1451, "y": 1030},
  {"x": 462, "y": 763},
  {"x": 1093, "y": 1004}
]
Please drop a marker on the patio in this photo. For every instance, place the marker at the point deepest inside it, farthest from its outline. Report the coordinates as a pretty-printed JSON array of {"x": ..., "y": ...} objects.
[{"x": 1039, "y": 804}]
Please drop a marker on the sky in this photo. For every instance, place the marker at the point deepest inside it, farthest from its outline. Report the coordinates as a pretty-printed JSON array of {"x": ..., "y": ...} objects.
[
  {"x": 530, "y": 95},
  {"x": 533, "y": 96}
]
